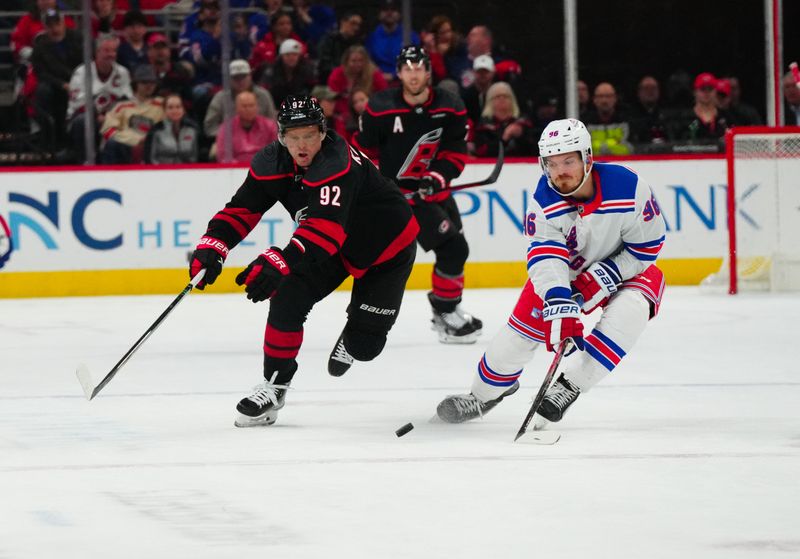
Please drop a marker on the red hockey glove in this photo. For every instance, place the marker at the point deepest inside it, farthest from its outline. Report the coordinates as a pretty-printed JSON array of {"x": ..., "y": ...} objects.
[
  {"x": 209, "y": 253},
  {"x": 562, "y": 321},
  {"x": 594, "y": 286},
  {"x": 431, "y": 185},
  {"x": 263, "y": 275}
]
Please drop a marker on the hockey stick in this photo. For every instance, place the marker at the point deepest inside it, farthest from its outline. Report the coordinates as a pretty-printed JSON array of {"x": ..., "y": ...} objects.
[
  {"x": 85, "y": 378},
  {"x": 564, "y": 348},
  {"x": 491, "y": 179}
]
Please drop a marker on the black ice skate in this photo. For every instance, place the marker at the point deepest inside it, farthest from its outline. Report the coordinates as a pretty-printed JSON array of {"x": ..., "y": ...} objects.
[
  {"x": 455, "y": 326},
  {"x": 261, "y": 407},
  {"x": 340, "y": 360},
  {"x": 463, "y": 407},
  {"x": 557, "y": 400}
]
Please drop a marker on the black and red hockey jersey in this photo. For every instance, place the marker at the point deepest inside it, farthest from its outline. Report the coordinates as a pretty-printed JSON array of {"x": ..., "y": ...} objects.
[
  {"x": 341, "y": 202},
  {"x": 415, "y": 140}
]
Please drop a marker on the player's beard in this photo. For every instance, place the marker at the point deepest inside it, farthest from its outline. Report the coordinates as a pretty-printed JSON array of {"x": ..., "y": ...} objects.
[{"x": 417, "y": 91}]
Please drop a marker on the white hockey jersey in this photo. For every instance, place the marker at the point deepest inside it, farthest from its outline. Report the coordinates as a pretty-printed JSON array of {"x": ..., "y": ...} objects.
[
  {"x": 621, "y": 226},
  {"x": 105, "y": 93}
]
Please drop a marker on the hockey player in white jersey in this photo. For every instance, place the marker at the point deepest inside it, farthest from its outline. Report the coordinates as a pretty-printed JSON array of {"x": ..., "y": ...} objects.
[{"x": 595, "y": 232}]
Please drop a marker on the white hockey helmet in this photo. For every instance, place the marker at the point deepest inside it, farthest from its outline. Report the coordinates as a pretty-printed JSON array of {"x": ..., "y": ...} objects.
[{"x": 565, "y": 136}]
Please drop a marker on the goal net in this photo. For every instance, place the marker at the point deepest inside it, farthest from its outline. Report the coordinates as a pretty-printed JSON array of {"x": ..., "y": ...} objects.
[{"x": 763, "y": 211}]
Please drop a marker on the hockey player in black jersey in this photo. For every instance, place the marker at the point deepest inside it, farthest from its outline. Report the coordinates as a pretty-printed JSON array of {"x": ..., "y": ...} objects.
[
  {"x": 418, "y": 132},
  {"x": 351, "y": 221}
]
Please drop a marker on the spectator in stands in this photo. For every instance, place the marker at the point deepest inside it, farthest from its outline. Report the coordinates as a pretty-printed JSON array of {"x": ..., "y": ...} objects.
[
  {"x": 358, "y": 102},
  {"x": 584, "y": 98},
  {"x": 332, "y": 46},
  {"x": 292, "y": 74},
  {"x": 267, "y": 49},
  {"x": 56, "y": 54},
  {"x": 126, "y": 125},
  {"x": 106, "y": 18},
  {"x": 607, "y": 123},
  {"x": 259, "y": 23},
  {"x": 249, "y": 130},
  {"x": 545, "y": 110},
  {"x": 356, "y": 70},
  {"x": 205, "y": 54},
  {"x": 193, "y": 23},
  {"x": 174, "y": 139},
  {"x": 312, "y": 21},
  {"x": 648, "y": 124},
  {"x": 327, "y": 100},
  {"x": 440, "y": 40},
  {"x": 173, "y": 76},
  {"x": 29, "y": 26},
  {"x": 705, "y": 121},
  {"x": 502, "y": 120},
  {"x": 132, "y": 49},
  {"x": 475, "y": 95},
  {"x": 729, "y": 99},
  {"x": 679, "y": 93},
  {"x": 241, "y": 80},
  {"x": 791, "y": 95},
  {"x": 386, "y": 40},
  {"x": 111, "y": 82},
  {"x": 479, "y": 43},
  {"x": 241, "y": 47}
]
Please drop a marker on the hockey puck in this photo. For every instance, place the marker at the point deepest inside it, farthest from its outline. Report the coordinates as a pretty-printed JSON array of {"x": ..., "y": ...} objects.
[{"x": 404, "y": 429}]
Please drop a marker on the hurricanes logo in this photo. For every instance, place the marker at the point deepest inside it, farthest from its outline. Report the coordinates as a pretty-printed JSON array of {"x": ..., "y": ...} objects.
[{"x": 444, "y": 226}]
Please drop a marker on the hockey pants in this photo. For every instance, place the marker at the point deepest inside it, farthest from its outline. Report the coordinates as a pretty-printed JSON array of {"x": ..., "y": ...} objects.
[{"x": 624, "y": 318}]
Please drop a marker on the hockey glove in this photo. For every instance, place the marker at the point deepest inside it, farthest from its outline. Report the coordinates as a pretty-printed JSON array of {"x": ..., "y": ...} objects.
[
  {"x": 561, "y": 321},
  {"x": 210, "y": 253},
  {"x": 594, "y": 286},
  {"x": 430, "y": 185},
  {"x": 263, "y": 275}
]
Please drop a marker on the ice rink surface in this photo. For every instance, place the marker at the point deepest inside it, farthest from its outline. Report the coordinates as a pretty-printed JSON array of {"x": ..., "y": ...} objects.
[{"x": 691, "y": 449}]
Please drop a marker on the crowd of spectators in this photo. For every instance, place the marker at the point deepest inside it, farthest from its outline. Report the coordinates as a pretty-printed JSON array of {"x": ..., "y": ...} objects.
[{"x": 158, "y": 97}]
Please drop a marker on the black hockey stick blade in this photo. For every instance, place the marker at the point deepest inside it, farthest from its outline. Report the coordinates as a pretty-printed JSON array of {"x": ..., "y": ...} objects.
[
  {"x": 492, "y": 178},
  {"x": 565, "y": 346},
  {"x": 84, "y": 376}
]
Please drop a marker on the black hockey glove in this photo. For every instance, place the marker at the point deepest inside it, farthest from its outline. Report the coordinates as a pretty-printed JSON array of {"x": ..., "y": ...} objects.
[
  {"x": 210, "y": 253},
  {"x": 263, "y": 275},
  {"x": 430, "y": 184}
]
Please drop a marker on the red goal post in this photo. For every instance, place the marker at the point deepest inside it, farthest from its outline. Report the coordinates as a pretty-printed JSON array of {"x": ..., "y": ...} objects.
[{"x": 763, "y": 200}]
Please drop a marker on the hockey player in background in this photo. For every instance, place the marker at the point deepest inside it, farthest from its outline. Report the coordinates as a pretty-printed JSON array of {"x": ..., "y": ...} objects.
[
  {"x": 595, "y": 232},
  {"x": 351, "y": 221},
  {"x": 418, "y": 132},
  {"x": 6, "y": 246}
]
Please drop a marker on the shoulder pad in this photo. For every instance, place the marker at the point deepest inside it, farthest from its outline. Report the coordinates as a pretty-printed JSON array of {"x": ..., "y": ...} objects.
[
  {"x": 552, "y": 204},
  {"x": 445, "y": 99},
  {"x": 272, "y": 162},
  {"x": 617, "y": 181},
  {"x": 331, "y": 162},
  {"x": 386, "y": 100}
]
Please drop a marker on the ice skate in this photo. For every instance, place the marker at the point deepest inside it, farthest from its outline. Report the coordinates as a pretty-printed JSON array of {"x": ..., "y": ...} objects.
[
  {"x": 463, "y": 407},
  {"x": 558, "y": 398},
  {"x": 454, "y": 326},
  {"x": 261, "y": 407},
  {"x": 340, "y": 360},
  {"x": 477, "y": 323}
]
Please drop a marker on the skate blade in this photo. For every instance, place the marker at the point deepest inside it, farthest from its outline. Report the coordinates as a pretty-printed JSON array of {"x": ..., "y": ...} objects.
[
  {"x": 456, "y": 340},
  {"x": 263, "y": 420}
]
